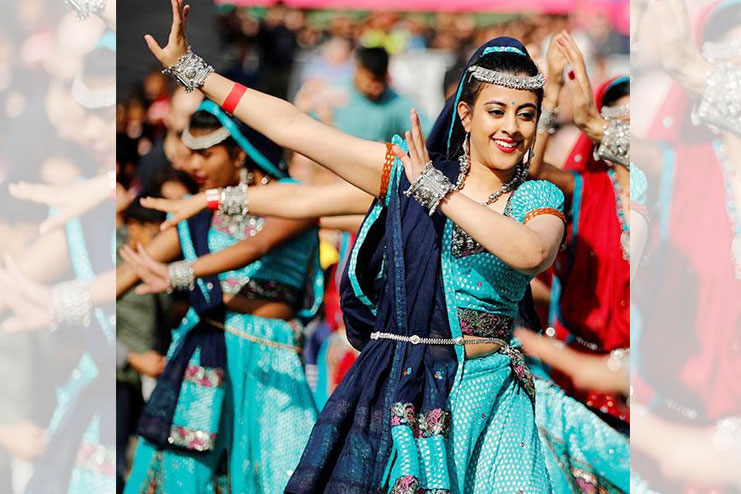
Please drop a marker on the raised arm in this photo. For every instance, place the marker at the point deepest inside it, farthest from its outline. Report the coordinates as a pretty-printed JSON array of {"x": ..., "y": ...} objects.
[
  {"x": 155, "y": 273},
  {"x": 283, "y": 200},
  {"x": 275, "y": 232},
  {"x": 538, "y": 168},
  {"x": 356, "y": 160}
]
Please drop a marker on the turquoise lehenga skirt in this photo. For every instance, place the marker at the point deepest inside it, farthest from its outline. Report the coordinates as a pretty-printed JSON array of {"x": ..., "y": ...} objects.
[
  {"x": 267, "y": 417},
  {"x": 583, "y": 453},
  {"x": 491, "y": 445}
]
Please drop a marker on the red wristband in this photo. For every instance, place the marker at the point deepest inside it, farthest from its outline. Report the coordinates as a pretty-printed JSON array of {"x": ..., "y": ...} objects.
[
  {"x": 213, "y": 198},
  {"x": 235, "y": 96}
]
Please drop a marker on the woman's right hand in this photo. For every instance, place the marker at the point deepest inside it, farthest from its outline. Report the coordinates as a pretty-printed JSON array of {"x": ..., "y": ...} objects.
[
  {"x": 180, "y": 209},
  {"x": 177, "y": 42}
]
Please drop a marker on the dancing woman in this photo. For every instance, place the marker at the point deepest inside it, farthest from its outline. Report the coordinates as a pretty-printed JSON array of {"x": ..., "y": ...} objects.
[
  {"x": 232, "y": 406},
  {"x": 595, "y": 265},
  {"x": 423, "y": 297}
]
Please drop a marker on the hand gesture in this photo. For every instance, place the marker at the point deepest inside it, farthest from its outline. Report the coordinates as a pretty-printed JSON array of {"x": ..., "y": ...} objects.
[
  {"x": 72, "y": 201},
  {"x": 418, "y": 157},
  {"x": 587, "y": 371},
  {"x": 177, "y": 43},
  {"x": 555, "y": 60},
  {"x": 180, "y": 209},
  {"x": 154, "y": 275},
  {"x": 584, "y": 109},
  {"x": 679, "y": 55},
  {"x": 149, "y": 363}
]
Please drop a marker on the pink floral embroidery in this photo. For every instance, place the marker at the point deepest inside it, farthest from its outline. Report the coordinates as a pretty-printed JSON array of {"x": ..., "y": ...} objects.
[
  {"x": 191, "y": 439},
  {"x": 406, "y": 484},
  {"x": 435, "y": 422},
  {"x": 97, "y": 458},
  {"x": 205, "y": 376},
  {"x": 402, "y": 414}
]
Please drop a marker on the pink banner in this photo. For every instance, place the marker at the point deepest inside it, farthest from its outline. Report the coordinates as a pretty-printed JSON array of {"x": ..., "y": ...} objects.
[{"x": 547, "y": 6}]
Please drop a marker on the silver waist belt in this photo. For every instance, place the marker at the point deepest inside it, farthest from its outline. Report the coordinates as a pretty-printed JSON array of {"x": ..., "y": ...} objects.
[{"x": 416, "y": 339}]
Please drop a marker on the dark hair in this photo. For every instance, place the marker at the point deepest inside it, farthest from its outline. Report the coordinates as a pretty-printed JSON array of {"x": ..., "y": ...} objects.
[
  {"x": 203, "y": 120},
  {"x": 509, "y": 63},
  {"x": 723, "y": 19},
  {"x": 99, "y": 63},
  {"x": 615, "y": 92},
  {"x": 374, "y": 60}
]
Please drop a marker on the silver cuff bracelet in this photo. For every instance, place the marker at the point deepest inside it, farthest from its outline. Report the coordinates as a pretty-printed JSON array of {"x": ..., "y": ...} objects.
[
  {"x": 234, "y": 201},
  {"x": 547, "y": 121},
  {"x": 190, "y": 71},
  {"x": 71, "y": 305},
  {"x": 430, "y": 188},
  {"x": 615, "y": 145},
  {"x": 721, "y": 102},
  {"x": 181, "y": 275},
  {"x": 84, "y": 8}
]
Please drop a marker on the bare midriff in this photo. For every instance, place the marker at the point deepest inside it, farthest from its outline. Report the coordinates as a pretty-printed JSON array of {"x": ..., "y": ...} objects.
[
  {"x": 480, "y": 349},
  {"x": 269, "y": 309}
]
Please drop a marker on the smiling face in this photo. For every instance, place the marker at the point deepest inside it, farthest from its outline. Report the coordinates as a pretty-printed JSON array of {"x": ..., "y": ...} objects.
[
  {"x": 502, "y": 125},
  {"x": 215, "y": 166}
]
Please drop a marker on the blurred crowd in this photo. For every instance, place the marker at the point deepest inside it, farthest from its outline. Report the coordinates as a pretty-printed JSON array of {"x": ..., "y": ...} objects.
[{"x": 359, "y": 72}]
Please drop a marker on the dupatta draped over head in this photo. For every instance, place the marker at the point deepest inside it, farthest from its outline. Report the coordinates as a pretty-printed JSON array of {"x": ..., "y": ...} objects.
[{"x": 393, "y": 284}]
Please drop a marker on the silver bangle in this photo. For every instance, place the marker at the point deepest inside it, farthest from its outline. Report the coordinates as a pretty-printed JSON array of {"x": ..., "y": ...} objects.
[
  {"x": 233, "y": 201},
  {"x": 548, "y": 119},
  {"x": 613, "y": 112},
  {"x": 71, "y": 305},
  {"x": 615, "y": 145},
  {"x": 84, "y": 8},
  {"x": 619, "y": 360},
  {"x": 181, "y": 275},
  {"x": 430, "y": 188},
  {"x": 720, "y": 105},
  {"x": 727, "y": 432},
  {"x": 190, "y": 71}
]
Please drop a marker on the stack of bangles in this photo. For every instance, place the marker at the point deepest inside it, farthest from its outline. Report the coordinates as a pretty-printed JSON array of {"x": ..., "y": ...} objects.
[
  {"x": 230, "y": 201},
  {"x": 388, "y": 161}
]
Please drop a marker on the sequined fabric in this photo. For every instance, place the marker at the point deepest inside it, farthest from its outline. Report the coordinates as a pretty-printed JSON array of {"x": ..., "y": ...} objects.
[
  {"x": 484, "y": 282},
  {"x": 267, "y": 421},
  {"x": 583, "y": 453},
  {"x": 495, "y": 445}
]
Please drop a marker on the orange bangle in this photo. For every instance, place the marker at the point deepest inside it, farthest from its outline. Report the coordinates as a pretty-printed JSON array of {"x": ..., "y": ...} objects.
[
  {"x": 537, "y": 212},
  {"x": 386, "y": 175}
]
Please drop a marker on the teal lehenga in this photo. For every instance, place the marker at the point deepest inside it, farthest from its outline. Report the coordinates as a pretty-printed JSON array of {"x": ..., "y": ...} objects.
[
  {"x": 268, "y": 410},
  {"x": 232, "y": 411}
]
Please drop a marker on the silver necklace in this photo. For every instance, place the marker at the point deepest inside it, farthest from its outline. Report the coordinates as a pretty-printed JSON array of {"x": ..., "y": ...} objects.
[{"x": 462, "y": 243}]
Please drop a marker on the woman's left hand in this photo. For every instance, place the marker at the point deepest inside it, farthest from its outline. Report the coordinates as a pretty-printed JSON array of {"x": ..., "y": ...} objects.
[
  {"x": 418, "y": 157},
  {"x": 154, "y": 275}
]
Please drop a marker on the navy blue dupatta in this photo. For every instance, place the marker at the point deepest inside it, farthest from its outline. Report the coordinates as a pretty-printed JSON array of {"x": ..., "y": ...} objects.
[{"x": 157, "y": 418}]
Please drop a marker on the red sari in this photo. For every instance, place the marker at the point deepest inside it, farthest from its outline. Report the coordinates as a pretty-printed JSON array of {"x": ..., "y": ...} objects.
[{"x": 591, "y": 291}]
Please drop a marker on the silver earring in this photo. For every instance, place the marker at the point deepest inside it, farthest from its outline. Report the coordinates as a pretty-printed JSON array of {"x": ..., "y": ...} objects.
[{"x": 245, "y": 176}]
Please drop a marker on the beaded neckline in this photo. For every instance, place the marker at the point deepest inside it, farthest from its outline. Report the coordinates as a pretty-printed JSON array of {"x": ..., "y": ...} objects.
[
  {"x": 624, "y": 226},
  {"x": 463, "y": 244},
  {"x": 731, "y": 207}
]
